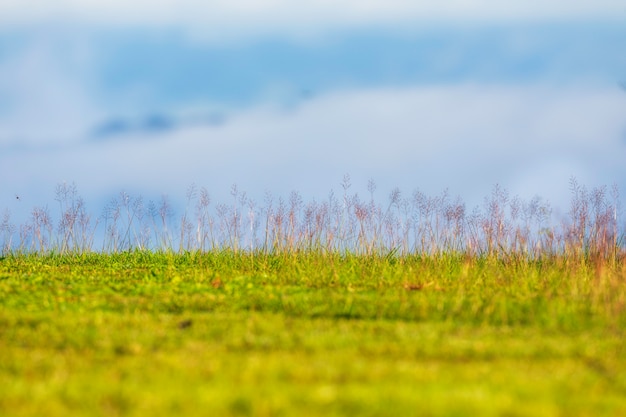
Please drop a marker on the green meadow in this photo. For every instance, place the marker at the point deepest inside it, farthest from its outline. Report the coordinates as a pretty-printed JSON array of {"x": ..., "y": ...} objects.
[
  {"x": 312, "y": 333},
  {"x": 336, "y": 307}
]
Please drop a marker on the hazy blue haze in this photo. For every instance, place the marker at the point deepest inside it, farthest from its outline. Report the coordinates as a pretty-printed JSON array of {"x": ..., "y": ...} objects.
[{"x": 152, "y": 108}]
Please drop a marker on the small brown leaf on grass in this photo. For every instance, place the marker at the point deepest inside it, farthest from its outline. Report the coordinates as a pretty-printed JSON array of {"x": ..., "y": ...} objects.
[
  {"x": 185, "y": 324},
  {"x": 413, "y": 287},
  {"x": 421, "y": 286}
]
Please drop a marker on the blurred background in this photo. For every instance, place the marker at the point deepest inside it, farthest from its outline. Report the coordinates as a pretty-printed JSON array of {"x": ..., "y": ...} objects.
[{"x": 149, "y": 97}]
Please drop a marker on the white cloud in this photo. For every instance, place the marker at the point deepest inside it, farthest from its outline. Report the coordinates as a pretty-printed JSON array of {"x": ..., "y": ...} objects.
[
  {"x": 530, "y": 139},
  {"x": 45, "y": 87},
  {"x": 220, "y": 19}
]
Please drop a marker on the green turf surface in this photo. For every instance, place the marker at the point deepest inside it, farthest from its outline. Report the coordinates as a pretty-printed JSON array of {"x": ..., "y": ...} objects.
[{"x": 150, "y": 334}]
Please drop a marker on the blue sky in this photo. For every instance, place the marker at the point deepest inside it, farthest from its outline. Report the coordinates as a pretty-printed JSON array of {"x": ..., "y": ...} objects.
[{"x": 152, "y": 96}]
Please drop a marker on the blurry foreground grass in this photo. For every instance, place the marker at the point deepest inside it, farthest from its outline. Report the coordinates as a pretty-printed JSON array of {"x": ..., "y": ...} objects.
[{"x": 152, "y": 334}]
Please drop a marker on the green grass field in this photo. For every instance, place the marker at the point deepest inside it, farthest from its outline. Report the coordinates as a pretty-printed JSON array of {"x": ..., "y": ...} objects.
[{"x": 225, "y": 334}]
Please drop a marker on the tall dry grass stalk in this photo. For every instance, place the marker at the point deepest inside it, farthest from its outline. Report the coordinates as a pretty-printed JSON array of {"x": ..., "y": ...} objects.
[{"x": 503, "y": 227}]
